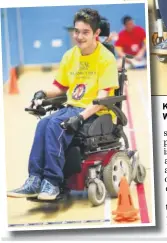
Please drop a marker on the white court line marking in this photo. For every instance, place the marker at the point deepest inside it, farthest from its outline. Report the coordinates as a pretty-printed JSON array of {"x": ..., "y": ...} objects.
[{"x": 107, "y": 210}]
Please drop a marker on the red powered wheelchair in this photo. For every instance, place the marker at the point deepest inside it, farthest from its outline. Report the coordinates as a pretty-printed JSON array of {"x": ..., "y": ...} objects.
[{"x": 99, "y": 154}]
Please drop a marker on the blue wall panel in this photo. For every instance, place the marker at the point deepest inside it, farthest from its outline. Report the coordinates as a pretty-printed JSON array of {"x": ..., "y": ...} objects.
[
  {"x": 5, "y": 67},
  {"x": 13, "y": 36},
  {"x": 9, "y": 37},
  {"x": 44, "y": 24},
  {"x": 44, "y": 34}
]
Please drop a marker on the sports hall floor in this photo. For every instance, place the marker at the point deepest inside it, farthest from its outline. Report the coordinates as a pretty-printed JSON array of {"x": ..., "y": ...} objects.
[{"x": 19, "y": 132}]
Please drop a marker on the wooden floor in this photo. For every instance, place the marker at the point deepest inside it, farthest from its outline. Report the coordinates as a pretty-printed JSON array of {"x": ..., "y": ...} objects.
[{"x": 19, "y": 132}]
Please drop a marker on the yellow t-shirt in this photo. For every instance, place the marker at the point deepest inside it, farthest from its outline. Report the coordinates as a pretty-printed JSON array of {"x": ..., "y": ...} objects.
[{"x": 84, "y": 76}]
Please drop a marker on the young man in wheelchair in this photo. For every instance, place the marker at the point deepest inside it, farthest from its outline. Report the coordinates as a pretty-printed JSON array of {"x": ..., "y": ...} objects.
[{"x": 87, "y": 71}]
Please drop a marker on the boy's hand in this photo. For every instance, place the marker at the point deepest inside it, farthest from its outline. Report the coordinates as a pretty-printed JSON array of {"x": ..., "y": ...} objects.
[
  {"x": 38, "y": 96},
  {"x": 73, "y": 123}
]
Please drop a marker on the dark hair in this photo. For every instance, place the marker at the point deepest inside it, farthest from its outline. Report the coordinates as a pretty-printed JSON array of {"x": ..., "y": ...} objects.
[
  {"x": 125, "y": 19},
  {"x": 88, "y": 16},
  {"x": 105, "y": 27}
]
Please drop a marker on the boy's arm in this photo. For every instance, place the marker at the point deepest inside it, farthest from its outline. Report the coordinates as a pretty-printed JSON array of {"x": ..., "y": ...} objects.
[
  {"x": 92, "y": 109},
  {"x": 56, "y": 90},
  {"x": 72, "y": 124}
]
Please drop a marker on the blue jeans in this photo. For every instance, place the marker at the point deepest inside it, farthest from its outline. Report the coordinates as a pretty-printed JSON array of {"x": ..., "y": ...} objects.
[{"x": 47, "y": 156}]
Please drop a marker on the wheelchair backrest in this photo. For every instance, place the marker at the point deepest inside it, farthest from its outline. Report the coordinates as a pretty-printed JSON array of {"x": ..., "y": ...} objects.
[{"x": 110, "y": 47}]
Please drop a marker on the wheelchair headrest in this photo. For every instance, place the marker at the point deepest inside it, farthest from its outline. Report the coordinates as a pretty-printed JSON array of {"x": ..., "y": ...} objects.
[{"x": 105, "y": 27}]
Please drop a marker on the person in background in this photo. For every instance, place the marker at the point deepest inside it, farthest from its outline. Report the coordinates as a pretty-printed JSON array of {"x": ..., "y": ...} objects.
[{"x": 131, "y": 40}]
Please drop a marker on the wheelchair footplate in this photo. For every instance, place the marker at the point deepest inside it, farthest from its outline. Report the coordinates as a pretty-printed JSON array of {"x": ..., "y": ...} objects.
[{"x": 35, "y": 199}]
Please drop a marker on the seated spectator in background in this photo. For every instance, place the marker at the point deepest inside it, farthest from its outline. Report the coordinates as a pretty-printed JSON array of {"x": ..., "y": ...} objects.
[{"x": 131, "y": 40}]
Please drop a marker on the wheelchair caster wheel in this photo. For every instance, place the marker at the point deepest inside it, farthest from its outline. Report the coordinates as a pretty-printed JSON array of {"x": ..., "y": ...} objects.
[
  {"x": 118, "y": 166},
  {"x": 140, "y": 174},
  {"x": 96, "y": 192}
]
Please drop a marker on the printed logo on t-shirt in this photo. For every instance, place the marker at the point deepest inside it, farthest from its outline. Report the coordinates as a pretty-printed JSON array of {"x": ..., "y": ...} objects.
[
  {"x": 135, "y": 47},
  {"x": 79, "y": 91},
  {"x": 84, "y": 66}
]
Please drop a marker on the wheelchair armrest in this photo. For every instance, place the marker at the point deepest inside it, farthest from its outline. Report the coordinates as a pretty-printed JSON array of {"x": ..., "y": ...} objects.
[
  {"x": 56, "y": 102},
  {"x": 110, "y": 103},
  {"x": 121, "y": 116}
]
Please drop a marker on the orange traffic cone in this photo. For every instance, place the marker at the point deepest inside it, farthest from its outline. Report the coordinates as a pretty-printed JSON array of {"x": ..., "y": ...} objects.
[
  {"x": 125, "y": 210},
  {"x": 13, "y": 88}
]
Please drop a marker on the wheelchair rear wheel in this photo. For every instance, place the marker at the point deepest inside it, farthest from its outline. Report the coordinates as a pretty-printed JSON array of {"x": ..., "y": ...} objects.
[
  {"x": 96, "y": 195},
  {"x": 118, "y": 166}
]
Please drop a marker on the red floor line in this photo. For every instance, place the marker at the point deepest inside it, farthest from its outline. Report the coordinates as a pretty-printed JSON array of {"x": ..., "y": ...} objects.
[
  {"x": 140, "y": 187},
  {"x": 142, "y": 204}
]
